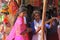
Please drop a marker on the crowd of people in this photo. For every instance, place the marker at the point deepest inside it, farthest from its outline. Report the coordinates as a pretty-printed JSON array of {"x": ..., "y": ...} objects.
[{"x": 26, "y": 22}]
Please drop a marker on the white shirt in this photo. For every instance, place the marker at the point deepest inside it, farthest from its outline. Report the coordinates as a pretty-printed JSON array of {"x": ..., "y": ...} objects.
[
  {"x": 38, "y": 36},
  {"x": 25, "y": 20},
  {"x": 37, "y": 25}
]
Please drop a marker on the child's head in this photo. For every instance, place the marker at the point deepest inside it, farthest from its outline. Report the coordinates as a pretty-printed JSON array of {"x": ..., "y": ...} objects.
[
  {"x": 22, "y": 11},
  {"x": 36, "y": 15}
]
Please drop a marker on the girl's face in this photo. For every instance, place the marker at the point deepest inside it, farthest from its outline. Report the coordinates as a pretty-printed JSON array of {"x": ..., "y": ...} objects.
[
  {"x": 25, "y": 14},
  {"x": 22, "y": 14},
  {"x": 37, "y": 16}
]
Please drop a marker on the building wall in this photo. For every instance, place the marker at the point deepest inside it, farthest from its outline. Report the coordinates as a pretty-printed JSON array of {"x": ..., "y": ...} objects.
[
  {"x": 33, "y": 2},
  {"x": 37, "y": 3}
]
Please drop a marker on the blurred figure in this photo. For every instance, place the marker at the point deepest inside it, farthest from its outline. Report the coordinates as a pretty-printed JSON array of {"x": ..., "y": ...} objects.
[
  {"x": 52, "y": 32},
  {"x": 12, "y": 9},
  {"x": 36, "y": 26},
  {"x": 18, "y": 31}
]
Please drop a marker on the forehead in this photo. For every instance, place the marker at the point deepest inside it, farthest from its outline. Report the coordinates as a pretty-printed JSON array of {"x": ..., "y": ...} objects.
[
  {"x": 37, "y": 14},
  {"x": 24, "y": 12}
]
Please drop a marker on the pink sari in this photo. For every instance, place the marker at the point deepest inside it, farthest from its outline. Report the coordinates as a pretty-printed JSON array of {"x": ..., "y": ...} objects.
[{"x": 19, "y": 26}]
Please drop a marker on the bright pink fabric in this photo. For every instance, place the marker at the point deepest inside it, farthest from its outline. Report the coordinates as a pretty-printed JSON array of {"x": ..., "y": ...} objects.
[{"x": 21, "y": 27}]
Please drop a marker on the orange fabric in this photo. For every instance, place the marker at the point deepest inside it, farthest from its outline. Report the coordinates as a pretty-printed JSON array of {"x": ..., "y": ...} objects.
[
  {"x": 37, "y": 3},
  {"x": 12, "y": 7}
]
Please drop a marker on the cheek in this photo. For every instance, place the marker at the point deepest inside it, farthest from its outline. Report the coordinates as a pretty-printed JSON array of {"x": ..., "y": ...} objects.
[
  {"x": 35, "y": 17},
  {"x": 21, "y": 14},
  {"x": 39, "y": 17}
]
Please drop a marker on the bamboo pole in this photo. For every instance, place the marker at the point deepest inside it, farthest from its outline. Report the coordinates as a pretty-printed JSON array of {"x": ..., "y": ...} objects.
[{"x": 43, "y": 18}]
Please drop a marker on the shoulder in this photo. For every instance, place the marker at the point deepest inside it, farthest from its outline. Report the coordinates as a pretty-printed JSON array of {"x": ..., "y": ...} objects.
[
  {"x": 19, "y": 20},
  {"x": 32, "y": 23}
]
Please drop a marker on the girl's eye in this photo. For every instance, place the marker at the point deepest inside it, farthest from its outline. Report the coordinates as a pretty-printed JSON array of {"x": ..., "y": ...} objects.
[{"x": 37, "y": 16}]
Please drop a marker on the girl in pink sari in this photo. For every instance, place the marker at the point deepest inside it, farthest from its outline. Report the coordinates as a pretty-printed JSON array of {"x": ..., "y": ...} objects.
[{"x": 18, "y": 31}]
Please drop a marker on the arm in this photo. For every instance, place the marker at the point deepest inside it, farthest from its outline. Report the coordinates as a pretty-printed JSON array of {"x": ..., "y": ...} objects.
[
  {"x": 34, "y": 31},
  {"x": 51, "y": 23},
  {"x": 39, "y": 28}
]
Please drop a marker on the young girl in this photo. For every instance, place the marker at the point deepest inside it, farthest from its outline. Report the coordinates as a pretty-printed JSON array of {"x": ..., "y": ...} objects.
[
  {"x": 18, "y": 30},
  {"x": 36, "y": 26}
]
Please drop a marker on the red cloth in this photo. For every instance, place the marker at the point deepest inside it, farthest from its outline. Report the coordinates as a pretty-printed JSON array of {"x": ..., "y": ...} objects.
[
  {"x": 37, "y": 3},
  {"x": 6, "y": 20}
]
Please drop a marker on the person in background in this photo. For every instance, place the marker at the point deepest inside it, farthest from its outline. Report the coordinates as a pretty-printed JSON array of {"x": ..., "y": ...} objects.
[
  {"x": 52, "y": 32},
  {"x": 36, "y": 26},
  {"x": 12, "y": 9},
  {"x": 19, "y": 28},
  {"x": 58, "y": 26}
]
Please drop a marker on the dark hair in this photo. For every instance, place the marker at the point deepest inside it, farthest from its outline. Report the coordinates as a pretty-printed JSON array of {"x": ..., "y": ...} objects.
[
  {"x": 35, "y": 12},
  {"x": 21, "y": 9}
]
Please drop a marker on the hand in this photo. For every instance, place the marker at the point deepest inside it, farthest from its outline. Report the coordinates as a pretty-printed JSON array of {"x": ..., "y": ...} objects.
[
  {"x": 39, "y": 28},
  {"x": 29, "y": 29},
  {"x": 54, "y": 17}
]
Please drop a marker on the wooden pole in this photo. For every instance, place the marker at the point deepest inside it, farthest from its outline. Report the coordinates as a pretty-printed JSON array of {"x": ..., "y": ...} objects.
[{"x": 43, "y": 18}]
